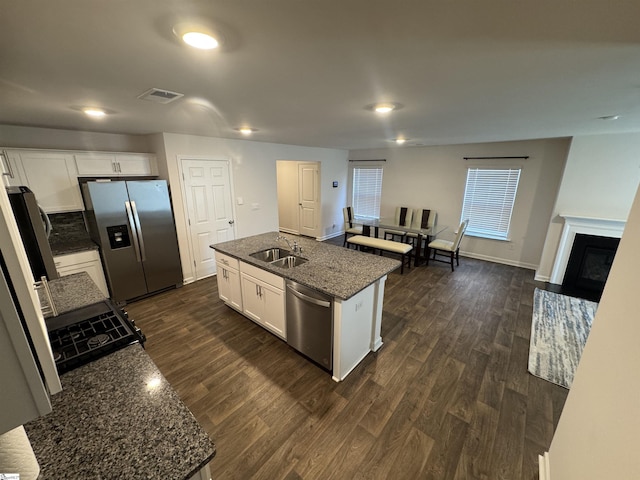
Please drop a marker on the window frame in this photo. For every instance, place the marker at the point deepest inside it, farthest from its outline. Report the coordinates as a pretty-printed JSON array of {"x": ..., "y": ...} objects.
[
  {"x": 373, "y": 211},
  {"x": 489, "y": 200}
]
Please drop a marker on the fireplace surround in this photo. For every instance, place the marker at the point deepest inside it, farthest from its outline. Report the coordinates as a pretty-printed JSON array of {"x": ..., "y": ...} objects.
[{"x": 585, "y": 227}]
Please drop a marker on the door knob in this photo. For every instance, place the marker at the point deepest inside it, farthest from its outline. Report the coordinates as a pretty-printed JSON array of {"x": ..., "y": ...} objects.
[{"x": 231, "y": 222}]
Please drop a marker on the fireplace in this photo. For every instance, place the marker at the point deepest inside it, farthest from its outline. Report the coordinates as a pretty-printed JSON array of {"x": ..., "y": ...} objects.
[
  {"x": 589, "y": 264},
  {"x": 587, "y": 276}
]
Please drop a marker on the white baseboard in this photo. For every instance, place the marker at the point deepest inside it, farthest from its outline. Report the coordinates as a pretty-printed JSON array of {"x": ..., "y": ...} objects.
[
  {"x": 544, "y": 467},
  {"x": 542, "y": 278},
  {"x": 503, "y": 261},
  {"x": 331, "y": 235}
]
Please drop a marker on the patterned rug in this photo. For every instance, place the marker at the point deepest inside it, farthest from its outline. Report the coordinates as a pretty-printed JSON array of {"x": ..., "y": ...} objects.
[{"x": 559, "y": 332}]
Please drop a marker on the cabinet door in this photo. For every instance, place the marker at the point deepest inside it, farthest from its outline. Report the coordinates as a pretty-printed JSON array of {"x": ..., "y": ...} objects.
[
  {"x": 135, "y": 164},
  {"x": 252, "y": 305},
  {"x": 54, "y": 180},
  {"x": 264, "y": 304},
  {"x": 96, "y": 164},
  {"x": 273, "y": 312},
  {"x": 229, "y": 288},
  {"x": 10, "y": 173}
]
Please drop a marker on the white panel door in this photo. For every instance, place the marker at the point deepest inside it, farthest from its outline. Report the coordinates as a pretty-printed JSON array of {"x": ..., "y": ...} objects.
[
  {"x": 309, "y": 198},
  {"x": 207, "y": 188}
]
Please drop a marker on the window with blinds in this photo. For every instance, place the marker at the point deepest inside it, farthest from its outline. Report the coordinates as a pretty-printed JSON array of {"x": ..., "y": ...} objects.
[
  {"x": 489, "y": 196},
  {"x": 367, "y": 190}
]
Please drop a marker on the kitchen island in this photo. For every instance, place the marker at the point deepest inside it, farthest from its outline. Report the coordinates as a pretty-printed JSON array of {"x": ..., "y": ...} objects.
[
  {"x": 354, "y": 280},
  {"x": 116, "y": 417}
]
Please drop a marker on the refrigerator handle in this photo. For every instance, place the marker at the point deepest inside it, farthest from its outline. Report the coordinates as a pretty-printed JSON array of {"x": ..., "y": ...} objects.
[
  {"x": 136, "y": 247},
  {"x": 143, "y": 253}
]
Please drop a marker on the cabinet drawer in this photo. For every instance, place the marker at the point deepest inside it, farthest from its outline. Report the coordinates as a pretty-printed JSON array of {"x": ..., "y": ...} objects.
[
  {"x": 267, "y": 277},
  {"x": 227, "y": 260},
  {"x": 62, "y": 261}
]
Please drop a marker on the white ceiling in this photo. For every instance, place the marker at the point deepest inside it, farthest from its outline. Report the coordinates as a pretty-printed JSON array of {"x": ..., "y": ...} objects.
[{"x": 302, "y": 71}]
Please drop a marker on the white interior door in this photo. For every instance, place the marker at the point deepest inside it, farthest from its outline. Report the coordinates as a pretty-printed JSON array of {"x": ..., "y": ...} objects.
[
  {"x": 207, "y": 188},
  {"x": 309, "y": 198}
]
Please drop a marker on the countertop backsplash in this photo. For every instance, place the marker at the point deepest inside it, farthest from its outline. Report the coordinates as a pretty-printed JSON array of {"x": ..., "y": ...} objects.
[
  {"x": 67, "y": 225},
  {"x": 69, "y": 234}
]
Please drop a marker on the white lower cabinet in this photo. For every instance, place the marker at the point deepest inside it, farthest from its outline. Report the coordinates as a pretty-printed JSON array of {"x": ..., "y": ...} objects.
[
  {"x": 229, "y": 286},
  {"x": 87, "y": 261},
  {"x": 256, "y": 293},
  {"x": 263, "y": 298},
  {"x": 228, "y": 277}
]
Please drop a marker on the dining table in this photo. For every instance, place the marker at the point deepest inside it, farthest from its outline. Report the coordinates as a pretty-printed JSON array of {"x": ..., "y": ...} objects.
[{"x": 390, "y": 223}]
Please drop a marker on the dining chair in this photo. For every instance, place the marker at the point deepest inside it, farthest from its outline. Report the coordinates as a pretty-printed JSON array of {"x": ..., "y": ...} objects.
[
  {"x": 447, "y": 248},
  {"x": 350, "y": 228},
  {"x": 403, "y": 219},
  {"x": 422, "y": 219}
]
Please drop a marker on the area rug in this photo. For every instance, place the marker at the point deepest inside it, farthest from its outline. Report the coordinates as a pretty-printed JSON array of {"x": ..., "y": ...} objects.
[{"x": 559, "y": 332}]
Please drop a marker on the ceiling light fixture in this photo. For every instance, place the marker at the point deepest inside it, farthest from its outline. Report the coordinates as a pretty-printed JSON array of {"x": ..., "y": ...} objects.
[
  {"x": 246, "y": 130},
  {"x": 610, "y": 117},
  {"x": 196, "y": 35},
  {"x": 383, "y": 108},
  {"x": 200, "y": 40},
  {"x": 94, "y": 112},
  {"x": 400, "y": 141}
]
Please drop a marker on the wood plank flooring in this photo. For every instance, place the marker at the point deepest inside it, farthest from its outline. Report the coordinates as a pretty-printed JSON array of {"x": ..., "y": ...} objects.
[{"x": 447, "y": 397}]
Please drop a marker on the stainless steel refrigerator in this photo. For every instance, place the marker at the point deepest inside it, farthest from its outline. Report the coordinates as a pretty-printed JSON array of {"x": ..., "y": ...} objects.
[{"x": 133, "y": 224}]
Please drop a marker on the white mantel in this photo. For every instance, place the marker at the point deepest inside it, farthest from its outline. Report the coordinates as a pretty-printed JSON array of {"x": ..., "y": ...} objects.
[{"x": 603, "y": 227}]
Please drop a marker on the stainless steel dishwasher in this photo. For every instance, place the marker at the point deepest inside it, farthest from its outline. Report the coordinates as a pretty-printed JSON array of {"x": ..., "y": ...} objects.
[{"x": 310, "y": 323}]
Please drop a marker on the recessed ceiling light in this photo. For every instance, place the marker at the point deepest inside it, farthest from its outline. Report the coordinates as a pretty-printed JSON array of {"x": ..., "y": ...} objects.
[
  {"x": 196, "y": 34},
  {"x": 610, "y": 117},
  {"x": 383, "y": 107},
  {"x": 400, "y": 140},
  {"x": 94, "y": 112},
  {"x": 200, "y": 40},
  {"x": 246, "y": 130}
]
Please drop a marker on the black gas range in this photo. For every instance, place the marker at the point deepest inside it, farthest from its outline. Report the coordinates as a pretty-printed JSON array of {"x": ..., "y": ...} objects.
[{"x": 86, "y": 334}]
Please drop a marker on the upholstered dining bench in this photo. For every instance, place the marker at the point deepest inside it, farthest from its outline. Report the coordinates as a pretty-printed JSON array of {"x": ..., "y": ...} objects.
[{"x": 404, "y": 249}]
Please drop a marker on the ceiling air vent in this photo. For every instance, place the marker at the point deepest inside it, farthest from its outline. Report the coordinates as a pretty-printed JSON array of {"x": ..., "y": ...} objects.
[{"x": 160, "y": 96}]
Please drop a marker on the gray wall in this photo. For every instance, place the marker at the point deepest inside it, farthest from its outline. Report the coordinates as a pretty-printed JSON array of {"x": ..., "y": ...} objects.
[{"x": 434, "y": 178}]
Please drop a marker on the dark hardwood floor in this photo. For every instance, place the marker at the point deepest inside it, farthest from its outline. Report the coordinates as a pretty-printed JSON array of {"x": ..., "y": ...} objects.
[{"x": 447, "y": 397}]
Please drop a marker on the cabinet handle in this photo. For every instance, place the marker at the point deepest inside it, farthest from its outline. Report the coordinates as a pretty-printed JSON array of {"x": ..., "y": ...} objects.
[
  {"x": 119, "y": 168},
  {"x": 5, "y": 161}
]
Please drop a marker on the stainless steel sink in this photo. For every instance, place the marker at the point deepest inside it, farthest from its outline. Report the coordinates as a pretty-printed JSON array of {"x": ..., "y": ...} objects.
[
  {"x": 289, "y": 261},
  {"x": 270, "y": 254}
]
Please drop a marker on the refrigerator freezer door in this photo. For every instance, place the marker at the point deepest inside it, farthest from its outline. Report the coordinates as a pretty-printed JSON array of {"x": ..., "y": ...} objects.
[
  {"x": 122, "y": 265},
  {"x": 158, "y": 241}
]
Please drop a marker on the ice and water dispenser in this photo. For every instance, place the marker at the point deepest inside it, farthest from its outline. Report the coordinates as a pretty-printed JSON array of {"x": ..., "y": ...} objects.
[{"x": 118, "y": 236}]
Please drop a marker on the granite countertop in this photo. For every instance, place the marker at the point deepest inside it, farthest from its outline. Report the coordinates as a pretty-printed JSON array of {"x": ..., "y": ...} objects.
[
  {"x": 71, "y": 292},
  {"x": 118, "y": 417},
  {"x": 336, "y": 271}
]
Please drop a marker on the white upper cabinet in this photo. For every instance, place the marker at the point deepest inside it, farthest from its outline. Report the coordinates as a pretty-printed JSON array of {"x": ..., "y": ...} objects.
[
  {"x": 52, "y": 177},
  {"x": 10, "y": 173},
  {"x": 115, "y": 164}
]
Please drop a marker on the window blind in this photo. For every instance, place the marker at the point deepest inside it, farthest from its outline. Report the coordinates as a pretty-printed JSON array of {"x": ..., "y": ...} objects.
[
  {"x": 367, "y": 190},
  {"x": 489, "y": 196}
]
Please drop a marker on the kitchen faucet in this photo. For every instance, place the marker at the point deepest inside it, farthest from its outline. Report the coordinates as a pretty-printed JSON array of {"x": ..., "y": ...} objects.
[{"x": 295, "y": 248}]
